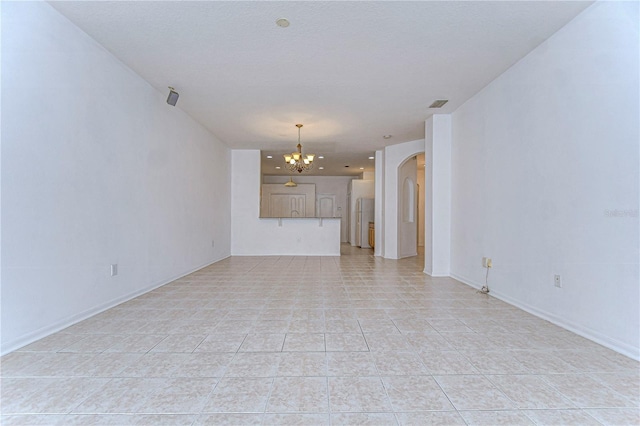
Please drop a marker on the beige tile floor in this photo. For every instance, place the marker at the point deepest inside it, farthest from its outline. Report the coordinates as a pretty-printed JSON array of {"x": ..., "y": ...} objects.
[{"x": 348, "y": 340}]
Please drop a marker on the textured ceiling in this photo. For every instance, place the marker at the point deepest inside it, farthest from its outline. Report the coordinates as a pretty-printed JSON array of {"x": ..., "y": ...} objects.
[{"x": 351, "y": 72}]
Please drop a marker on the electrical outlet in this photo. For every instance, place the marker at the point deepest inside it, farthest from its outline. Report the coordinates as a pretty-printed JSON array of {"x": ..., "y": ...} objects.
[
  {"x": 486, "y": 262},
  {"x": 114, "y": 269},
  {"x": 213, "y": 243},
  {"x": 557, "y": 281}
]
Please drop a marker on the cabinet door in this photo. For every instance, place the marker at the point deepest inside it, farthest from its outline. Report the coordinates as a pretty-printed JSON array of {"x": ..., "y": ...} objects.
[
  {"x": 287, "y": 205},
  {"x": 280, "y": 201},
  {"x": 326, "y": 205}
]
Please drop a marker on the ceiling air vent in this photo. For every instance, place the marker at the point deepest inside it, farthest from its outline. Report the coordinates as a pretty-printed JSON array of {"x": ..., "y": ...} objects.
[{"x": 439, "y": 103}]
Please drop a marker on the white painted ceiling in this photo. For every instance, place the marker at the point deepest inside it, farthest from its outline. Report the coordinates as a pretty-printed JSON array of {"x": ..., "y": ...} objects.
[{"x": 351, "y": 72}]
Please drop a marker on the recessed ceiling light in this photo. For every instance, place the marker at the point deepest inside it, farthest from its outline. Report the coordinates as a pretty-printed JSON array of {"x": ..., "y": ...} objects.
[
  {"x": 282, "y": 22},
  {"x": 387, "y": 136},
  {"x": 278, "y": 167},
  {"x": 321, "y": 168},
  {"x": 361, "y": 168},
  {"x": 320, "y": 157},
  {"x": 372, "y": 158},
  {"x": 269, "y": 156},
  {"x": 439, "y": 103}
]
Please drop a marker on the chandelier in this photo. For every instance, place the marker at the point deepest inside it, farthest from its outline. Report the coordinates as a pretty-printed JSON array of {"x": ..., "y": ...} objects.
[{"x": 296, "y": 161}]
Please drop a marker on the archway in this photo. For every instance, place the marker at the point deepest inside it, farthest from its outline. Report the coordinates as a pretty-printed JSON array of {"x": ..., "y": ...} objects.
[
  {"x": 408, "y": 208},
  {"x": 389, "y": 192},
  {"x": 436, "y": 194}
]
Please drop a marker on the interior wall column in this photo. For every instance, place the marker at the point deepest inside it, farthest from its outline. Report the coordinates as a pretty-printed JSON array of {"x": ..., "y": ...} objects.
[
  {"x": 378, "y": 249},
  {"x": 437, "y": 247}
]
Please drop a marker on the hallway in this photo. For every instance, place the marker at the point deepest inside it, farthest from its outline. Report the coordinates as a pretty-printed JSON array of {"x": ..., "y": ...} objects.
[{"x": 354, "y": 339}]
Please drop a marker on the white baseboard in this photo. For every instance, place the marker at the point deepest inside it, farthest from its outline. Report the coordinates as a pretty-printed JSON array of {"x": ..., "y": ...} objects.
[
  {"x": 404, "y": 256},
  {"x": 286, "y": 254},
  {"x": 467, "y": 281},
  {"x": 595, "y": 336},
  {"x": 29, "y": 338},
  {"x": 437, "y": 275}
]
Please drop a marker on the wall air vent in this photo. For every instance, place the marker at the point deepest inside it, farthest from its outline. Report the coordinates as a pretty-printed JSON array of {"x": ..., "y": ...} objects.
[{"x": 439, "y": 103}]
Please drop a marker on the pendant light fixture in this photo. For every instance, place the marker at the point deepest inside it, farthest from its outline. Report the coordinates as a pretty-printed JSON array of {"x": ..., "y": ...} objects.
[{"x": 296, "y": 161}]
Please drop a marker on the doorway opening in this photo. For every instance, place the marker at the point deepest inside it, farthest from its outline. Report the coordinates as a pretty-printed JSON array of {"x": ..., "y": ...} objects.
[{"x": 411, "y": 208}]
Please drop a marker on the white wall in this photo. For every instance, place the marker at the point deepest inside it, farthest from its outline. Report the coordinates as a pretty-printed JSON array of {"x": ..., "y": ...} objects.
[
  {"x": 437, "y": 250},
  {"x": 324, "y": 185},
  {"x": 394, "y": 156},
  {"x": 421, "y": 199},
  {"x": 96, "y": 169},
  {"x": 379, "y": 203},
  {"x": 252, "y": 236},
  {"x": 545, "y": 179}
]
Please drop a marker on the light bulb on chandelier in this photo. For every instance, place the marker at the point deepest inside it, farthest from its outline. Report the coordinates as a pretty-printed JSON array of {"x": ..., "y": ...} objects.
[{"x": 296, "y": 161}]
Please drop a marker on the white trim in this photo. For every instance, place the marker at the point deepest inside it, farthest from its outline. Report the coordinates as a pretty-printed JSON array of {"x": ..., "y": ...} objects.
[
  {"x": 606, "y": 341},
  {"x": 414, "y": 254},
  {"x": 74, "y": 319},
  {"x": 298, "y": 254},
  {"x": 436, "y": 275}
]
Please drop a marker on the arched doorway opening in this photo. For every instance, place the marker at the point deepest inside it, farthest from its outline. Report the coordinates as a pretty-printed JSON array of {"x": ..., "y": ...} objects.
[
  {"x": 411, "y": 200},
  {"x": 397, "y": 163}
]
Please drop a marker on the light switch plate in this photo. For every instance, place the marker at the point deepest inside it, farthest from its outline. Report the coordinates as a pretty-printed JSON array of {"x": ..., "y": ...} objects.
[{"x": 557, "y": 281}]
